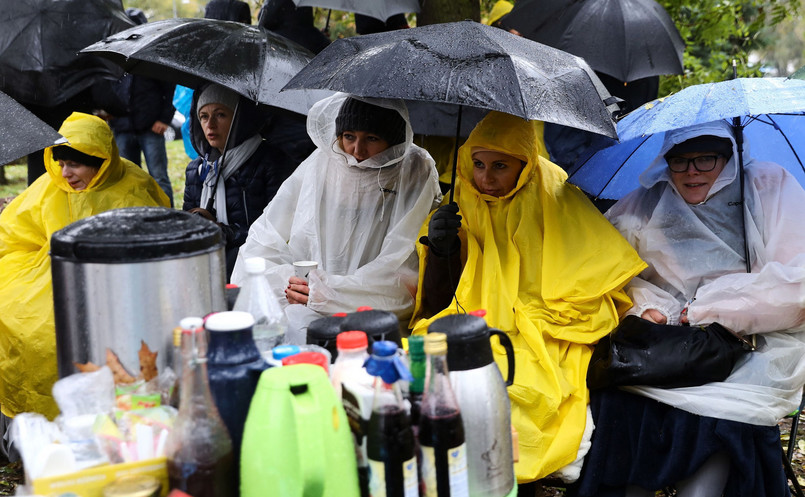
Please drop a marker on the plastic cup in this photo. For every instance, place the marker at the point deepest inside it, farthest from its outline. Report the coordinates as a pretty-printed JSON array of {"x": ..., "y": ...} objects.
[{"x": 303, "y": 268}]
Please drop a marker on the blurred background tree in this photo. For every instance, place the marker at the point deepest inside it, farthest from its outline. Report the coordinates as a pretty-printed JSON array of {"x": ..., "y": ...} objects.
[{"x": 717, "y": 31}]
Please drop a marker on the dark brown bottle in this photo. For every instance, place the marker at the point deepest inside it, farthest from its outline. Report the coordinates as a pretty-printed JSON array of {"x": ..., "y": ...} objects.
[
  {"x": 389, "y": 438},
  {"x": 199, "y": 448},
  {"x": 441, "y": 431}
]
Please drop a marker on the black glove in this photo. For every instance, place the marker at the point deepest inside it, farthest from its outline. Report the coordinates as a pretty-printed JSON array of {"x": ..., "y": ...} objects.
[{"x": 443, "y": 230}]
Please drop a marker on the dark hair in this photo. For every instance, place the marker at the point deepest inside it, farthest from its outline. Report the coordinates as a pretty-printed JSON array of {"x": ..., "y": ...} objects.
[
  {"x": 703, "y": 143},
  {"x": 357, "y": 115},
  {"x": 63, "y": 152}
]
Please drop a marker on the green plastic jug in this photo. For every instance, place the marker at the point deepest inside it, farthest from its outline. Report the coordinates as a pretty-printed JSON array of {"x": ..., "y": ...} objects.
[{"x": 297, "y": 441}]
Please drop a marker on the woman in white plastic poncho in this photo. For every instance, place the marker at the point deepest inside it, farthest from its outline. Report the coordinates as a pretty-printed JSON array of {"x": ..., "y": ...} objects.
[
  {"x": 356, "y": 215},
  {"x": 720, "y": 436},
  {"x": 549, "y": 270}
]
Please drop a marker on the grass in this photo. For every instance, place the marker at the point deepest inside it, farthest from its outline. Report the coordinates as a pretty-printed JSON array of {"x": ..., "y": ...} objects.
[{"x": 17, "y": 174}]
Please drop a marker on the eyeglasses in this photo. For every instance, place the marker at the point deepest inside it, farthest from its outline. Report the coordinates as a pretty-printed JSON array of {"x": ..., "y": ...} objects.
[{"x": 703, "y": 163}]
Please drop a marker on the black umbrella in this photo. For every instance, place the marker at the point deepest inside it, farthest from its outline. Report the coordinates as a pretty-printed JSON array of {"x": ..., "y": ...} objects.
[
  {"x": 626, "y": 39},
  {"x": 39, "y": 44},
  {"x": 193, "y": 52},
  {"x": 465, "y": 64},
  {"x": 21, "y": 132}
]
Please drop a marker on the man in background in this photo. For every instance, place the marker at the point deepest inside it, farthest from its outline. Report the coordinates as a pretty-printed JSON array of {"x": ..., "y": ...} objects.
[{"x": 150, "y": 111}]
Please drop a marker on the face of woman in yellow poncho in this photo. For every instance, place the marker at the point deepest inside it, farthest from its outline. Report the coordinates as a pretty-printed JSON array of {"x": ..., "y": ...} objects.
[{"x": 495, "y": 173}]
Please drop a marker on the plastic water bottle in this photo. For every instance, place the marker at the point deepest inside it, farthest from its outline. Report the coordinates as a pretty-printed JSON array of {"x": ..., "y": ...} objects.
[{"x": 256, "y": 297}]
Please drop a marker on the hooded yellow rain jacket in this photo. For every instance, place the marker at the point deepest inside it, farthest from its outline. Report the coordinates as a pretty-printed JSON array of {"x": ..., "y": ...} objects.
[
  {"x": 27, "y": 330},
  {"x": 549, "y": 269}
]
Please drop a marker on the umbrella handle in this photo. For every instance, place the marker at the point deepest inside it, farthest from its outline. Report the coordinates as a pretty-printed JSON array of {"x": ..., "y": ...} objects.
[{"x": 455, "y": 153}]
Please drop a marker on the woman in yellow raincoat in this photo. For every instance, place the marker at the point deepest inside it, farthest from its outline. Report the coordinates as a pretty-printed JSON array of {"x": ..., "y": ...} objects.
[
  {"x": 75, "y": 187},
  {"x": 548, "y": 268}
]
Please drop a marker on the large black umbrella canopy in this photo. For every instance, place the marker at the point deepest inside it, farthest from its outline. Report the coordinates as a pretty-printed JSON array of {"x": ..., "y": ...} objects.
[
  {"x": 21, "y": 132},
  {"x": 39, "y": 45},
  {"x": 379, "y": 9},
  {"x": 468, "y": 64},
  {"x": 626, "y": 39},
  {"x": 193, "y": 52}
]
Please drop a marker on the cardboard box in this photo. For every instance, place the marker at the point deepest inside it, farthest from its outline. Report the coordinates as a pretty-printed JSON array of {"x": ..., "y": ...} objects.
[{"x": 90, "y": 482}]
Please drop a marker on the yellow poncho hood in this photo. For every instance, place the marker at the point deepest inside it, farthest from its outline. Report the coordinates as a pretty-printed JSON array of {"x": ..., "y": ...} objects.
[
  {"x": 549, "y": 269},
  {"x": 27, "y": 330}
]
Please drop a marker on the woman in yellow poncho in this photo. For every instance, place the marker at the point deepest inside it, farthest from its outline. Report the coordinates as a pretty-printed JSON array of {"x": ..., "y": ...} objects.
[
  {"x": 86, "y": 176},
  {"x": 549, "y": 270}
]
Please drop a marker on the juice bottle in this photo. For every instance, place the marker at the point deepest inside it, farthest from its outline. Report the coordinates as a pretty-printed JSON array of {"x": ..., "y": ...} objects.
[
  {"x": 441, "y": 432},
  {"x": 353, "y": 385},
  {"x": 390, "y": 440}
]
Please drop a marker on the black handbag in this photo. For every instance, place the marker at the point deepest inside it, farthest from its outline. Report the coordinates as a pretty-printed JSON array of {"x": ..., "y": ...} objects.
[{"x": 640, "y": 352}]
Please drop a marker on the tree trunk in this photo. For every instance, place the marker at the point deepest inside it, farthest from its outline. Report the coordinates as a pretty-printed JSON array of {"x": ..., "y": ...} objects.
[{"x": 436, "y": 11}]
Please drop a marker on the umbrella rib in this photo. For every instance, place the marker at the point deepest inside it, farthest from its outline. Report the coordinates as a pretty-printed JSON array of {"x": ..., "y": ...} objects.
[{"x": 787, "y": 141}]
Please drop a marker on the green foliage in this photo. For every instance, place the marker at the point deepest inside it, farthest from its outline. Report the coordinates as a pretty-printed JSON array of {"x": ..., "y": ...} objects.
[{"x": 717, "y": 32}]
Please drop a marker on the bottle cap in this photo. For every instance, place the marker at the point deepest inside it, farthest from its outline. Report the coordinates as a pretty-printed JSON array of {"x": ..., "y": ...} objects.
[
  {"x": 229, "y": 321},
  {"x": 280, "y": 352},
  {"x": 306, "y": 358},
  {"x": 385, "y": 363},
  {"x": 255, "y": 265},
  {"x": 231, "y": 286},
  {"x": 478, "y": 313},
  {"x": 436, "y": 344},
  {"x": 384, "y": 348},
  {"x": 363, "y": 308},
  {"x": 416, "y": 347},
  {"x": 351, "y": 340},
  {"x": 340, "y": 315},
  {"x": 190, "y": 324}
]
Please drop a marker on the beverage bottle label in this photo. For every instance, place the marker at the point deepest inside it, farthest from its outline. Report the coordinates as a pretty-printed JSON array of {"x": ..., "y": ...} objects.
[
  {"x": 357, "y": 402},
  {"x": 456, "y": 470},
  {"x": 377, "y": 478}
]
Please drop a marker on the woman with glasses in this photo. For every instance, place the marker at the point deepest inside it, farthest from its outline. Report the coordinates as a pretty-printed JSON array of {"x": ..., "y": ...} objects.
[{"x": 685, "y": 221}]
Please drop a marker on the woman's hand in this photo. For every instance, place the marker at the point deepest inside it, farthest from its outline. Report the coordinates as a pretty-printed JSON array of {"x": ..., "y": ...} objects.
[
  {"x": 297, "y": 291},
  {"x": 654, "y": 316},
  {"x": 202, "y": 212}
]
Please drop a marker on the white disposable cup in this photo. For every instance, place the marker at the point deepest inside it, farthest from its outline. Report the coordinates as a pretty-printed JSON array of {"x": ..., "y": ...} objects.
[{"x": 303, "y": 268}]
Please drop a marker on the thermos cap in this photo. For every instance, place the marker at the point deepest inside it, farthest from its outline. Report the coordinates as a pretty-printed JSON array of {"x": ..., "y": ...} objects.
[
  {"x": 436, "y": 343},
  {"x": 351, "y": 340}
]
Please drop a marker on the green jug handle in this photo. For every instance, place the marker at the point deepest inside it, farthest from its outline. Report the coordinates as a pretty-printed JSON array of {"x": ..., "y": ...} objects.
[{"x": 507, "y": 345}]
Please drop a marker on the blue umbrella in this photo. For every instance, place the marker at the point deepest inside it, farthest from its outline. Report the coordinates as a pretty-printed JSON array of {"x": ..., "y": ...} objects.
[{"x": 770, "y": 112}]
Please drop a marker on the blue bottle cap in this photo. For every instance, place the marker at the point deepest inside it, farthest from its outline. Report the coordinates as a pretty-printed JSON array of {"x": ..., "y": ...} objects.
[
  {"x": 281, "y": 351},
  {"x": 384, "y": 348}
]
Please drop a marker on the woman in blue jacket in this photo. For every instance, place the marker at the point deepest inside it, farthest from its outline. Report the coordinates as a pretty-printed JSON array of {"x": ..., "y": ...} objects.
[{"x": 236, "y": 173}]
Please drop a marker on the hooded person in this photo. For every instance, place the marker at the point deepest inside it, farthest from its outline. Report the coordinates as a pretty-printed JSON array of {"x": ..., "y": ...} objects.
[
  {"x": 237, "y": 172},
  {"x": 295, "y": 23},
  {"x": 355, "y": 212},
  {"x": 84, "y": 177},
  {"x": 549, "y": 270},
  {"x": 228, "y": 10},
  {"x": 685, "y": 221}
]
